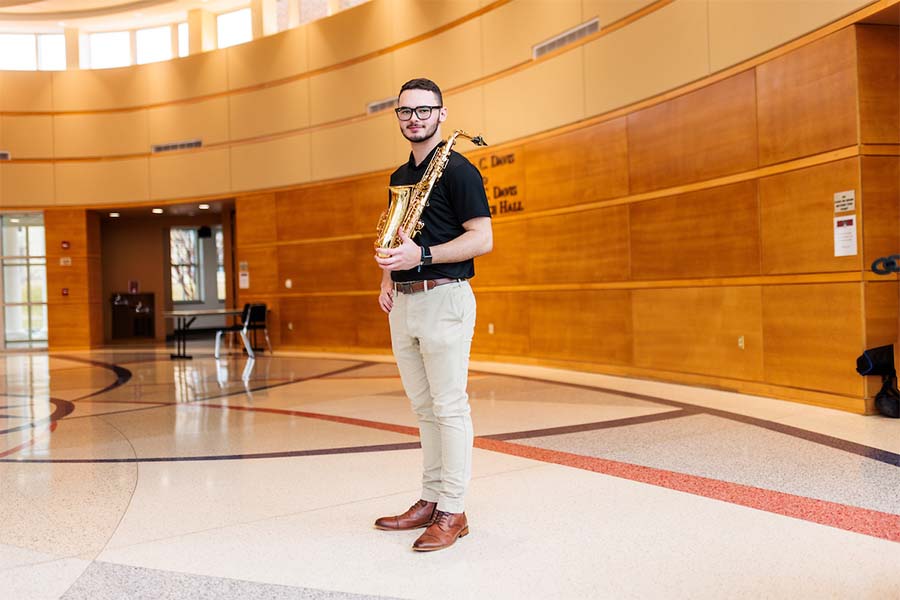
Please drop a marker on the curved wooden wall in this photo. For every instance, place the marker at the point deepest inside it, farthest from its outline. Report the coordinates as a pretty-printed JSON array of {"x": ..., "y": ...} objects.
[
  {"x": 277, "y": 112},
  {"x": 650, "y": 212},
  {"x": 690, "y": 240}
]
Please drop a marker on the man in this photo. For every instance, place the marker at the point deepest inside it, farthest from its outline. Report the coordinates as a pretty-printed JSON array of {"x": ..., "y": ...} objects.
[{"x": 431, "y": 308}]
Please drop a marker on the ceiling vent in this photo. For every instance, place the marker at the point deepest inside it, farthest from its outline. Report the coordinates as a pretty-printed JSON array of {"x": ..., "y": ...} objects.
[
  {"x": 380, "y": 105},
  {"x": 186, "y": 145},
  {"x": 566, "y": 38},
  {"x": 4, "y": 155}
]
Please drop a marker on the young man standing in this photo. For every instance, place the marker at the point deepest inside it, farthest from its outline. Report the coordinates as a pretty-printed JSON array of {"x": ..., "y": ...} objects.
[{"x": 425, "y": 291}]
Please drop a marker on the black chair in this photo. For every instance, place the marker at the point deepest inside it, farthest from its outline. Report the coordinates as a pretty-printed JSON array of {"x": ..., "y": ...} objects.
[
  {"x": 256, "y": 321},
  {"x": 232, "y": 329}
]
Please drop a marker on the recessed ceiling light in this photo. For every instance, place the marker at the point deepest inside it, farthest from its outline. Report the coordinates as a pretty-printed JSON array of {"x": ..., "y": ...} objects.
[
  {"x": 203, "y": 207},
  {"x": 13, "y": 220},
  {"x": 61, "y": 23},
  {"x": 114, "y": 214},
  {"x": 157, "y": 211}
]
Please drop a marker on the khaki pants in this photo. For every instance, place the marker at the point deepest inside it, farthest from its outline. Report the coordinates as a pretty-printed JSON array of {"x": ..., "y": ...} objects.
[{"x": 431, "y": 333}]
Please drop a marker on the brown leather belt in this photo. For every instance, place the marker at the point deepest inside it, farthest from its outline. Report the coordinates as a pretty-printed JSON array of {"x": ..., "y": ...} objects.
[{"x": 414, "y": 287}]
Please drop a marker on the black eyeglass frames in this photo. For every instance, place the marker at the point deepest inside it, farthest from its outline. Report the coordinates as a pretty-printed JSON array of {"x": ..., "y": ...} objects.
[{"x": 405, "y": 113}]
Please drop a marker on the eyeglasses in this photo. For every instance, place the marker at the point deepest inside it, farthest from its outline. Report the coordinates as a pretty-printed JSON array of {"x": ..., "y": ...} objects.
[{"x": 405, "y": 113}]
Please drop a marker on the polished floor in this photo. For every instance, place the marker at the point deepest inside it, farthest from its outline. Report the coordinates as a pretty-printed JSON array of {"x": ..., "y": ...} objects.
[{"x": 124, "y": 474}]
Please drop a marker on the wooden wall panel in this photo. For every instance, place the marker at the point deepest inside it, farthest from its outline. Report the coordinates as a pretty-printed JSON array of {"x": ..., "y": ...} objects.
[
  {"x": 610, "y": 11},
  {"x": 103, "y": 134},
  {"x": 207, "y": 121},
  {"x": 27, "y": 136},
  {"x": 414, "y": 60},
  {"x": 369, "y": 198},
  {"x": 319, "y": 321},
  {"x": 99, "y": 89},
  {"x": 579, "y": 247},
  {"x": 813, "y": 334},
  {"x": 102, "y": 181},
  {"x": 711, "y": 233},
  {"x": 27, "y": 184},
  {"x": 701, "y": 135},
  {"x": 664, "y": 50},
  {"x": 880, "y": 182},
  {"x": 882, "y": 323},
  {"x": 511, "y": 30},
  {"x": 508, "y": 262},
  {"x": 508, "y": 313},
  {"x": 192, "y": 174},
  {"x": 256, "y": 217},
  {"x": 274, "y": 163},
  {"x": 331, "y": 98},
  {"x": 697, "y": 330},
  {"x": 548, "y": 95},
  {"x": 328, "y": 266},
  {"x": 26, "y": 91},
  {"x": 373, "y": 330},
  {"x": 372, "y": 148},
  {"x": 189, "y": 77},
  {"x": 269, "y": 110},
  {"x": 262, "y": 265},
  {"x": 70, "y": 325},
  {"x": 585, "y": 165},
  {"x": 315, "y": 212},
  {"x": 797, "y": 211},
  {"x": 366, "y": 28},
  {"x": 808, "y": 100},
  {"x": 269, "y": 58},
  {"x": 593, "y": 326},
  {"x": 741, "y": 29},
  {"x": 420, "y": 16},
  {"x": 878, "y": 48}
]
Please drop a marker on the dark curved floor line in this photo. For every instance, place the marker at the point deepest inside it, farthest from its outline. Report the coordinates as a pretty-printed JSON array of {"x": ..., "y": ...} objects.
[
  {"x": 62, "y": 408},
  {"x": 521, "y": 435},
  {"x": 282, "y": 454},
  {"x": 123, "y": 375},
  {"x": 877, "y": 454}
]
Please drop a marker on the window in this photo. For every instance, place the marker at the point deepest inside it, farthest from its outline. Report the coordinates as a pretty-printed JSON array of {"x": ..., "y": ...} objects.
[
  {"x": 183, "y": 40},
  {"x": 154, "y": 45},
  {"x": 109, "y": 50},
  {"x": 220, "y": 264},
  {"x": 234, "y": 28},
  {"x": 23, "y": 282},
  {"x": 17, "y": 52},
  {"x": 310, "y": 10},
  {"x": 51, "y": 52},
  {"x": 184, "y": 252}
]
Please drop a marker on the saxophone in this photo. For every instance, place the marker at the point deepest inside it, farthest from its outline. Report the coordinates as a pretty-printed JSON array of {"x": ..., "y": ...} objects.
[{"x": 408, "y": 201}]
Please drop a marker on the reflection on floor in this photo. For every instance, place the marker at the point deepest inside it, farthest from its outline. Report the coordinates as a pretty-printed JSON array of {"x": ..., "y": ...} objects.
[{"x": 124, "y": 474}]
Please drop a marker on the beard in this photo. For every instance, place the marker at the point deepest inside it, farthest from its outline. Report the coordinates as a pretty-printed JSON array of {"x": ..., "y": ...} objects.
[{"x": 422, "y": 134}]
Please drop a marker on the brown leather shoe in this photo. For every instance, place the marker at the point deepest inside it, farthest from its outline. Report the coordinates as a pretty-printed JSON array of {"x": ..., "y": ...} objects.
[
  {"x": 443, "y": 532},
  {"x": 419, "y": 515}
]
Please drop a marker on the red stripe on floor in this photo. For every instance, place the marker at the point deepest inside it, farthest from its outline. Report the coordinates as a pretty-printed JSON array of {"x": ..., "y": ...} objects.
[
  {"x": 34, "y": 438},
  {"x": 841, "y": 516}
]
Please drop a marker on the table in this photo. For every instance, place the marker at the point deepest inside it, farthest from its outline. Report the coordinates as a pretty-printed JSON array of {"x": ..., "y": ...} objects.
[{"x": 184, "y": 318}]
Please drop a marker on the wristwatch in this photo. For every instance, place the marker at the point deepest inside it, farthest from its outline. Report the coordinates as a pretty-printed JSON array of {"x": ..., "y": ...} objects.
[{"x": 426, "y": 256}]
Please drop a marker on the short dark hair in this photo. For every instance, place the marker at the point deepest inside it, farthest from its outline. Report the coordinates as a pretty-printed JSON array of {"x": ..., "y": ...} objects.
[{"x": 423, "y": 84}]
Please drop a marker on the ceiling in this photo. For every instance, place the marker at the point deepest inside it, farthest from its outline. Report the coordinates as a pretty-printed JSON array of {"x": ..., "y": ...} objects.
[{"x": 52, "y": 16}]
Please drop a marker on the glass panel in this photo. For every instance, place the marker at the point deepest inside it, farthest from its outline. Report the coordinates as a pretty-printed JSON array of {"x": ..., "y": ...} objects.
[
  {"x": 16, "y": 319},
  {"x": 220, "y": 247},
  {"x": 51, "y": 52},
  {"x": 18, "y": 52},
  {"x": 220, "y": 283},
  {"x": 313, "y": 9},
  {"x": 234, "y": 28},
  {"x": 14, "y": 242},
  {"x": 154, "y": 44},
  {"x": 183, "y": 246},
  {"x": 37, "y": 276},
  {"x": 185, "y": 286},
  {"x": 39, "y": 321},
  {"x": 15, "y": 284},
  {"x": 36, "y": 244},
  {"x": 183, "y": 40},
  {"x": 110, "y": 49}
]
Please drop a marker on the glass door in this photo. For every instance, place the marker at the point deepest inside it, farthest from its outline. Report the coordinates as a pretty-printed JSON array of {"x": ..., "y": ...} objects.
[{"x": 23, "y": 284}]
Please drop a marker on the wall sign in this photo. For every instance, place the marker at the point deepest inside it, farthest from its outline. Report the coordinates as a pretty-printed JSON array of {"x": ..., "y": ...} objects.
[
  {"x": 845, "y": 236},
  {"x": 845, "y": 201}
]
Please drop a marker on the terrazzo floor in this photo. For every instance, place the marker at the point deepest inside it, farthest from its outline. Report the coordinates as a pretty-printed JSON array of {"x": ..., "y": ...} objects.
[{"x": 124, "y": 474}]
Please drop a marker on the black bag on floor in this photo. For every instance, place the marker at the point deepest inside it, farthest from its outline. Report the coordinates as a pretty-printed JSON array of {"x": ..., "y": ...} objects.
[{"x": 887, "y": 401}]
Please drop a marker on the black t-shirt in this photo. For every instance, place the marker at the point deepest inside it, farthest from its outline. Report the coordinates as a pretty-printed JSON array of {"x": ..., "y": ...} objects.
[{"x": 456, "y": 197}]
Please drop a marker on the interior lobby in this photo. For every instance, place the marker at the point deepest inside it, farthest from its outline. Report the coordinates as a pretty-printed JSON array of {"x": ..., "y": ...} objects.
[{"x": 695, "y": 213}]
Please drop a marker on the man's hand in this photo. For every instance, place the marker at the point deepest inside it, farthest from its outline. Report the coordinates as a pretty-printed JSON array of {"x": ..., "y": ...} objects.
[
  {"x": 386, "y": 297},
  {"x": 405, "y": 256}
]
